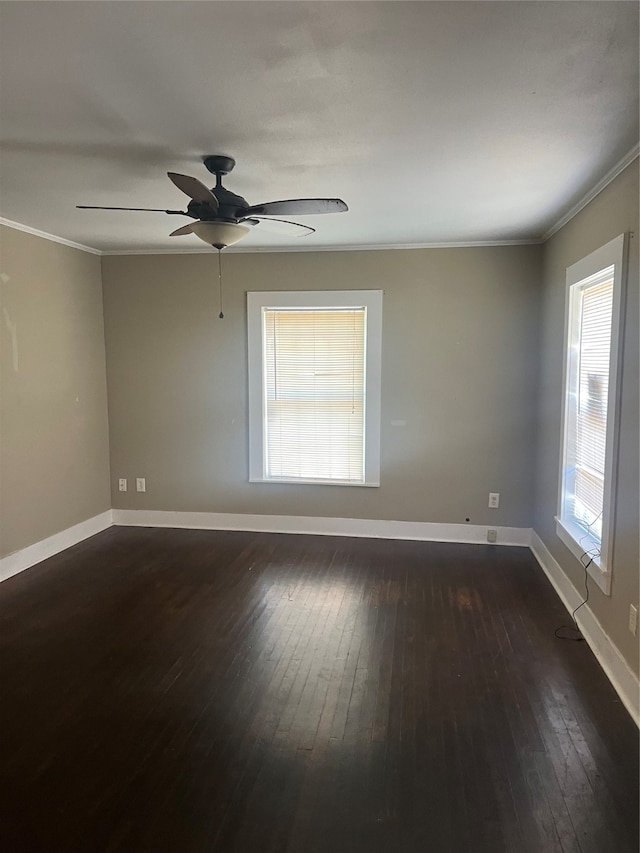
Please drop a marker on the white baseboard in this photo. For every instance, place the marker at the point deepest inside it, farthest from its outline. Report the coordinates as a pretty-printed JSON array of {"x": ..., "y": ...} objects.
[
  {"x": 32, "y": 554},
  {"x": 617, "y": 670},
  {"x": 359, "y": 527}
]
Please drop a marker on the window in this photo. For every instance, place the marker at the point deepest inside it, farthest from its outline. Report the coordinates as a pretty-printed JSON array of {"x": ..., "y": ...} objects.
[
  {"x": 588, "y": 462},
  {"x": 314, "y": 386}
]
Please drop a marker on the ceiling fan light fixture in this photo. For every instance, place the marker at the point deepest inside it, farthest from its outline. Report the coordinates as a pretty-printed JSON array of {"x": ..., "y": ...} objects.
[{"x": 219, "y": 234}]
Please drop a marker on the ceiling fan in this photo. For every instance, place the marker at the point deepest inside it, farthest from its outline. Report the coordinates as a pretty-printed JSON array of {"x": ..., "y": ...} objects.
[{"x": 223, "y": 218}]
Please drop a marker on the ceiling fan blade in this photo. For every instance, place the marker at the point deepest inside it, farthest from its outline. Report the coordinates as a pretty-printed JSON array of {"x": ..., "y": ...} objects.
[
  {"x": 298, "y": 207},
  {"x": 283, "y": 227},
  {"x": 194, "y": 188},
  {"x": 186, "y": 229},
  {"x": 152, "y": 209}
]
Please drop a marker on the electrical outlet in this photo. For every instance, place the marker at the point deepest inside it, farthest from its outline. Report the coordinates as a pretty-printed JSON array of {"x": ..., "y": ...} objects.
[
  {"x": 633, "y": 619},
  {"x": 492, "y": 535},
  {"x": 141, "y": 485},
  {"x": 122, "y": 485},
  {"x": 494, "y": 500}
]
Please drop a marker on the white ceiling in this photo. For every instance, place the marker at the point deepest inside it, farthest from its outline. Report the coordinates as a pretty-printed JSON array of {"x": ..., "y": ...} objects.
[{"x": 437, "y": 122}]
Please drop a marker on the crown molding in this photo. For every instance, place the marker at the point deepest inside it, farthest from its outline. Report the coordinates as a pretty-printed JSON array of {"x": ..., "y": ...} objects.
[
  {"x": 252, "y": 250},
  {"x": 18, "y": 226},
  {"x": 611, "y": 175}
]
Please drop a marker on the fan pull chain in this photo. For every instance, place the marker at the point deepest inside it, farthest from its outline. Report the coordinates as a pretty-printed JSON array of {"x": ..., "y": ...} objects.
[{"x": 221, "y": 314}]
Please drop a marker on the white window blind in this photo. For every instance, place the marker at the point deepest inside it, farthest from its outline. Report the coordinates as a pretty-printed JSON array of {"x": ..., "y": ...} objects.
[
  {"x": 314, "y": 371},
  {"x": 595, "y": 305}
]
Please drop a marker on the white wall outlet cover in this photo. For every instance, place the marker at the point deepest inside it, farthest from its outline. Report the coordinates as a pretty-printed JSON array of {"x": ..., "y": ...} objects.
[
  {"x": 141, "y": 485},
  {"x": 494, "y": 500},
  {"x": 492, "y": 535},
  {"x": 122, "y": 484}
]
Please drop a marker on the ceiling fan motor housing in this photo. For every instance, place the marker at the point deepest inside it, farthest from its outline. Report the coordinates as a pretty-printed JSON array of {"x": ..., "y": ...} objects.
[{"x": 230, "y": 207}]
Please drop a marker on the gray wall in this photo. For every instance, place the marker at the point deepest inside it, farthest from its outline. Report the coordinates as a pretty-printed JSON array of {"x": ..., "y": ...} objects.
[
  {"x": 613, "y": 211},
  {"x": 54, "y": 449},
  {"x": 459, "y": 366}
]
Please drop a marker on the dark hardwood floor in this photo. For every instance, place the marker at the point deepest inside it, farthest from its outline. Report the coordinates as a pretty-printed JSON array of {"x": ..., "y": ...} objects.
[{"x": 186, "y": 691}]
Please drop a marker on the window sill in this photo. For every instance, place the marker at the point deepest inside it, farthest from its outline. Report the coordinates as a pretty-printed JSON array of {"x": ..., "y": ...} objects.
[
  {"x": 579, "y": 543},
  {"x": 300, "y": 482}
]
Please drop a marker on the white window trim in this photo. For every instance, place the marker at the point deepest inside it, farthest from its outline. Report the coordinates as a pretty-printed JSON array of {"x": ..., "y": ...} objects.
[
  {"x": 372, "y": 300},
  {"x": 572, "y": 535}
]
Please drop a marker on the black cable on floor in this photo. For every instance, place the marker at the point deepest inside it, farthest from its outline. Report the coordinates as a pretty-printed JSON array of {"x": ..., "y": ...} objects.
[{"x": 574, "y": 627}]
